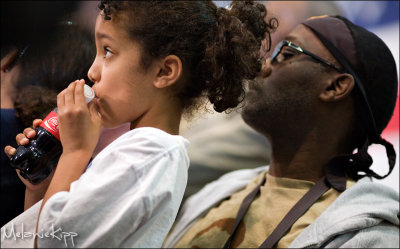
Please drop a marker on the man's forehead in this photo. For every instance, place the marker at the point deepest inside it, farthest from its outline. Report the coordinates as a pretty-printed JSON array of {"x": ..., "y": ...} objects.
[{"x": 302, "y": 36}]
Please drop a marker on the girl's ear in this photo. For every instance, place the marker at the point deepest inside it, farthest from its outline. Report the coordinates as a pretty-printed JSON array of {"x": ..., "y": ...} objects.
[
  {"x": 338, "y": 87},
  {"x": 8, "y": 59},
  {"x": 169, "y": 71}
]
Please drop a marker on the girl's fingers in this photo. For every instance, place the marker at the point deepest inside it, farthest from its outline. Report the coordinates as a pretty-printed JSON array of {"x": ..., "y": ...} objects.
[
  {"x": 36, "y": 123},
  {"x": 70, "y": 94},
  {"x": 9, "y": 150},
  {"x": 29, "y": 133},
  {"x": 79, "y": 89},
  {"x": 61, "y": 100},
  {"x": 21, "y": 139}
]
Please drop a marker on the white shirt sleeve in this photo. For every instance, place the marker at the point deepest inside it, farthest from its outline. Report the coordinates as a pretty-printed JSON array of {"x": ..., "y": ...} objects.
[{"x": 129, "y": 197}]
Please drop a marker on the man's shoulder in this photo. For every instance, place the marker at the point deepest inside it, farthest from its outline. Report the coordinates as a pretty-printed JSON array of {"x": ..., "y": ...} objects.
[
  {"x": 223, "y": 187},
  {"x": 231, "y": 182},
  {"x": 364, "y": 199},
  {"x": 366, "y": 206}
]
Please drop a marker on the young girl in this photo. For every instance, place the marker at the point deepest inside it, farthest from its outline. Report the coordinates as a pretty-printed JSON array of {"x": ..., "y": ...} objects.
[{"x": 155, "y": 61}]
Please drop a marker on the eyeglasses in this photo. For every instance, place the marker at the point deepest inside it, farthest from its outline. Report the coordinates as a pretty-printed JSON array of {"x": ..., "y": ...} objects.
[{"x": 280, "y": 54}]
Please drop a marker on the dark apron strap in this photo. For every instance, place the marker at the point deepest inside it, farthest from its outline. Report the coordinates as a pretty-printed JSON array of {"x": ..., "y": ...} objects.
[
  {"x": 296, "y": 212},
  {"x": 291, "y": 217},
  {"x": 242, "y": 211}
]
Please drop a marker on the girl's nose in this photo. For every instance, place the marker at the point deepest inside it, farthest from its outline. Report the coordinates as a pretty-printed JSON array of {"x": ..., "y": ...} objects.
[
  {"x": 90, "y": 75},
  {"x": 93, "y": 75}
]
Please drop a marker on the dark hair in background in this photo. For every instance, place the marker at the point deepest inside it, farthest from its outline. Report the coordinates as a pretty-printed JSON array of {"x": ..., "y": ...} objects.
[
  {"x": 219, "y": 48},
  {"x": 44, "y": 68},
  {"x": 44, "y": 73},
  {"x": 31, "y": 22}
]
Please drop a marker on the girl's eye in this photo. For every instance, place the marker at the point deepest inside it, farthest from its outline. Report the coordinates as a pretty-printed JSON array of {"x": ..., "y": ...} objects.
[{"x": 107, "y": 52}]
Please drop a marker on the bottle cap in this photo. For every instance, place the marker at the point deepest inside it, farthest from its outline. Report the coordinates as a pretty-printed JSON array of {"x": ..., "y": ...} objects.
[{"x": 88, "y": 92}]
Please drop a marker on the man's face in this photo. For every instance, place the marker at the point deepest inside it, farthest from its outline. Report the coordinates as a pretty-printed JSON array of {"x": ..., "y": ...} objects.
[{"x": 287, "y": 93}]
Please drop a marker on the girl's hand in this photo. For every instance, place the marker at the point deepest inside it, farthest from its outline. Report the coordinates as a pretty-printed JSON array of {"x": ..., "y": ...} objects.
[
  {"x": 79, "y": 128},
  {"x": 23, "y": 139},
  {"x": 79, "y": 125}
]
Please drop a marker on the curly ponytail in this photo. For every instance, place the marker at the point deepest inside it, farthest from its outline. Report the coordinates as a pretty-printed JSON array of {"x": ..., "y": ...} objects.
[
  {"x": 232, "y": 52},
  {"x": 219, "y": 48}
]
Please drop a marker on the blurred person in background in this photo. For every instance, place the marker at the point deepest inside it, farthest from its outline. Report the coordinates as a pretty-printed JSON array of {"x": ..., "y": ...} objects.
[{"x": 41, "y": 52}]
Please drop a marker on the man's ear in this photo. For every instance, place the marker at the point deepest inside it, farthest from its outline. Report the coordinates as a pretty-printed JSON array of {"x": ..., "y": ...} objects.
[
  {"x": 8, "y": 59},
  {"x": 170, "y": 70},
  {"x": 338, "y": 87}
]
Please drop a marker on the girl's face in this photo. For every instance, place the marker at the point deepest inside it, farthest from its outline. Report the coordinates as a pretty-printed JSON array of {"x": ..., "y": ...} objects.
[{"x": 124, "y": 90}]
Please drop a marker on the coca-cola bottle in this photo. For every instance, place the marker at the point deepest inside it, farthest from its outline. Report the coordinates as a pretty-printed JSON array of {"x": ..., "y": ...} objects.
[{"x": 37, "y": 159}]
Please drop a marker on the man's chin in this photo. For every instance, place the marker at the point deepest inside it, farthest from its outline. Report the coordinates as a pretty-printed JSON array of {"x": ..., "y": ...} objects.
[{"x": 249, "y": 115}]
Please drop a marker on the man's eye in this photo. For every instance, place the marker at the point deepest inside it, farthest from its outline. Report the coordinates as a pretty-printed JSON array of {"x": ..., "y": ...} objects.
[
  {"x": 286, "y": 55},
  {"x": 283, "y": 56}
]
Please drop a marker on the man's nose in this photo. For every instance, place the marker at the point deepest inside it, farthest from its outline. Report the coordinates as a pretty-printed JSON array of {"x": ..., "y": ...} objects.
[{"x": 266, "y": 68}]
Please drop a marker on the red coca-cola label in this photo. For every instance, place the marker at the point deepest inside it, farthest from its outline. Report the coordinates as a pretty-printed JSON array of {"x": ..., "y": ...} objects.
[{"x": 50, "y": 123}]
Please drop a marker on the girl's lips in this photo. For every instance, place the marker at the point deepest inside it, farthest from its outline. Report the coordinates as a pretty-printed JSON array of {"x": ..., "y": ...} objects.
[{"x": 96, "y": 101}]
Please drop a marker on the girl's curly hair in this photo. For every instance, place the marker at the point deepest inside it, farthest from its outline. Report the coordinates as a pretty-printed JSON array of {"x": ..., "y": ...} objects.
[{"x": 219, "y": 48}]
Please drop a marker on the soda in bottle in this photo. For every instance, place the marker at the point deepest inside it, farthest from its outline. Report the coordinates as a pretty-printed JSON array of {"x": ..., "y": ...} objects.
[{"x": 37, "y": 159}]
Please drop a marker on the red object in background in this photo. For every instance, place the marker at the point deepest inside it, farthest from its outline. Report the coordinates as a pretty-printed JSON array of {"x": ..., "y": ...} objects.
[{"x": 393, "y": 125}]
